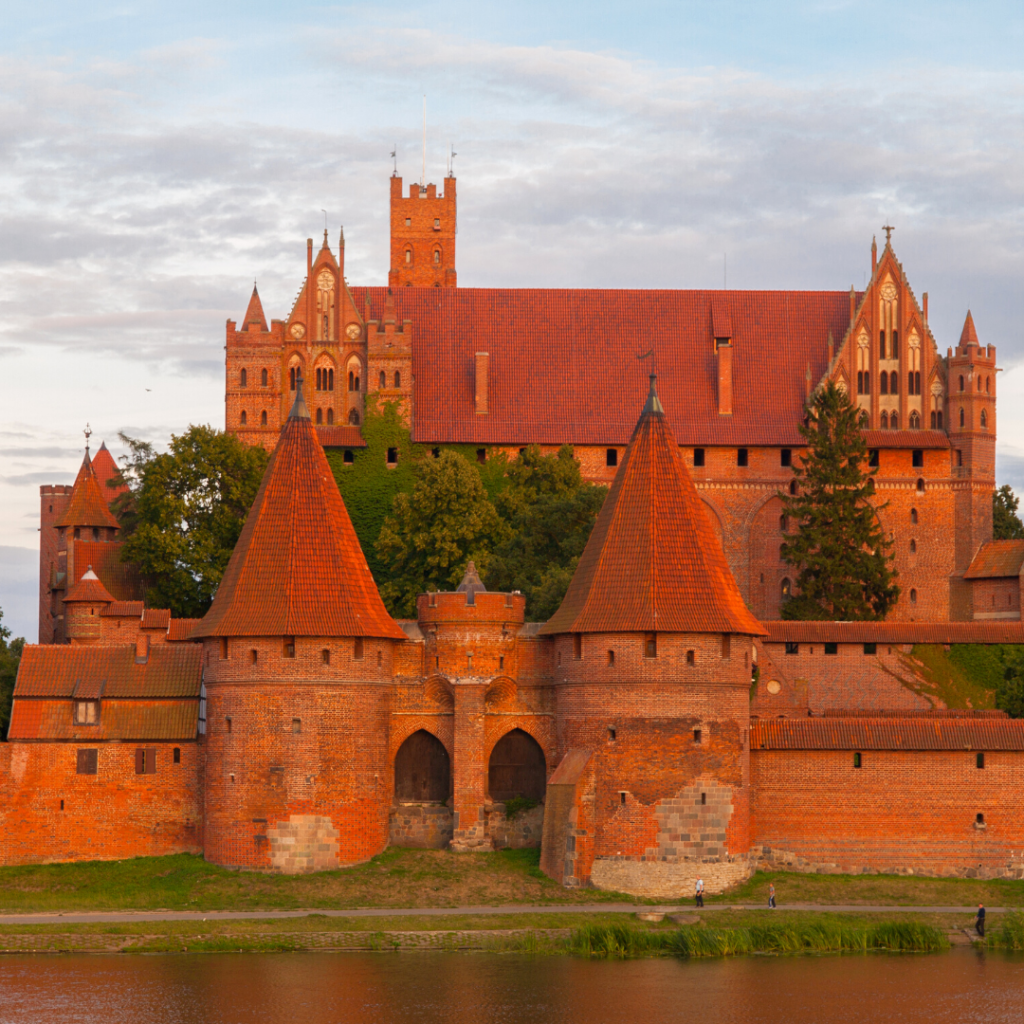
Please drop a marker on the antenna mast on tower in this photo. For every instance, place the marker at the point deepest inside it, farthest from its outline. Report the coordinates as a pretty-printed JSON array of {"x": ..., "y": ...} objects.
[{"x": 423, "y": 178}]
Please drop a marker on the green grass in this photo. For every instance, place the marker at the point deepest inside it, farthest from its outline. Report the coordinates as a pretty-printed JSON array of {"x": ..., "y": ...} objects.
[{"x": 1007, "y": 933}]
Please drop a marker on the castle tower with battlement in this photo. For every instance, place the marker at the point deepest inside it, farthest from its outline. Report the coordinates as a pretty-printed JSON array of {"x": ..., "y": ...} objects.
[{"x": 423, "y": 227}]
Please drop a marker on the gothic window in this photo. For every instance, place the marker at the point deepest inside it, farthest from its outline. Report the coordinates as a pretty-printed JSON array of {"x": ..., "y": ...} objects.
[
  {"x": 326, "y": 325},
  {"x": 263, "y": 378},
  {"x": 961, "y": 382},
  {"x": 883, "y": 383},
  {"x": 291, "y": 378},
  {"x": 881, "y": 344},
  {"x": 894, "y": 349},
  {"x": 915, "y": 421},
  {"x": 330, "y": 416},
  {"x": 783, "y": 523},
  {"x": 987, "y": 385},
  {"x": 913, "y": 547},
  {"x": 792, "y": 487},
  {"x": 263, "y": 418},
  {"x": 913, "y": 597},
  {"x": 319, "y": 416},
  {"x": 383, "y": 380},
  {"x": 243, "y": 379},
  {"x": 318, "y": 378},
  {"x": 961, "y": 417},
  {"x": 894, "y": 420},
  {"x": 920, "y": 485},
  {"x": 353, "y": 417},
  {"x": 977, "y": 383},
  {"x": 786, "y": 591},
  {"x": 934, "y": 419},
  {"x": 242, "y": 419},
  {"x": 408, "y": 255},
  {"x": 351, "y": 379},
  {"x": 894, "y": 383},
  {"x": 913, "y": 515},
  {"x": 984, "y": 420},
  {"x": 885, "y": 415},
  {"x": 330, "y": 380},
  {"x": 437, "y": 257},
  {"x": 398, "y": 379}
]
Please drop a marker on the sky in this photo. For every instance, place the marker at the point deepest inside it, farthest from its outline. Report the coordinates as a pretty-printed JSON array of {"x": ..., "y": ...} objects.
[{"x": 156, "y": 159}]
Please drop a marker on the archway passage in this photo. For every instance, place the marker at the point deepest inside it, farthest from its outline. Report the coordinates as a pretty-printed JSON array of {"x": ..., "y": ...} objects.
[
  {"x": 423, "y": 770},
  {"x": 517, "y": 768}
]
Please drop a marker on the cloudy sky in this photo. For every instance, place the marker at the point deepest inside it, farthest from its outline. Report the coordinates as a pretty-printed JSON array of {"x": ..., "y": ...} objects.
[{"x": 156, "y": 158}]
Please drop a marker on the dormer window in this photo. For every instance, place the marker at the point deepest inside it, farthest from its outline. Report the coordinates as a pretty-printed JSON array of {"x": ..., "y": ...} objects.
[{"x": 87, "y": 712}]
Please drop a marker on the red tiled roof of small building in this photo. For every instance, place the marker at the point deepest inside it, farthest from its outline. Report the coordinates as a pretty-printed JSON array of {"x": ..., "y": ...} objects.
[
  {"x": 156, "y": 618},
  {"x": 997, "y": 558},
  {"x": 181, "y": 629},
  {"x": 122, "y": 579},
  {"x": 792, "y": 631},
  {"x": 653, "y": 562},
  {"x": 340, "y": 437},
  {"x": 88, "y": 506},
  {"x": 89, "y": 589},
  {"x": 969, "y": 336},
  {"x": 124, "y": 610},
  {"x": 887, "y": 733},
  {"x": 119, "y": 720},
  {"x": 106, "y": 473},
  {"x": 298, "y": 569},
  {"x": 561, "y": 359},
  {"x": 54, "y": 670}
]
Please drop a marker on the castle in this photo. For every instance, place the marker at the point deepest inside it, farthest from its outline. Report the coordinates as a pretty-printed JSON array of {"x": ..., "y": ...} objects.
[{"x": 299, "y": 727}]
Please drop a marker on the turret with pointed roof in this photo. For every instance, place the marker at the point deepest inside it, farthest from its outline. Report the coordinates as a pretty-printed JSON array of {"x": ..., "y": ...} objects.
[
  {"x": 298, "y": 569},
  {"x": 653, "y": 562},
  {"x": 254, "y": 317},
  {"x": 88, "y": 505}
]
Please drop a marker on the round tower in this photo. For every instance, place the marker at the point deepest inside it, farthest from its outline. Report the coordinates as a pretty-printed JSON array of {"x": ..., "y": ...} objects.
[
  {"x": 84, "y": 604},
  {"x": 652, "y": 662},
  {"x": 298, "y": 654}
]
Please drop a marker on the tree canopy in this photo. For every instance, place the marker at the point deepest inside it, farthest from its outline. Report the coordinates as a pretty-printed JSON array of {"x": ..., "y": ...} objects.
[
  {"x": 435, "y": 530},
  {"x": 843, "y": 559},
  {"x": 549, "y": 511},
  {"x": 10, "y": 657},
  {"x": 1006, "y": 524},
  {"x": 185, "y": 511}
]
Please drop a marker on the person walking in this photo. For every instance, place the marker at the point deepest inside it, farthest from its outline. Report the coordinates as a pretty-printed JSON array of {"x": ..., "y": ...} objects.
[
  {"x": 698, "y": 891},
  {"x": 979, "y": 924},
  {"x": 771, "y": 895}
]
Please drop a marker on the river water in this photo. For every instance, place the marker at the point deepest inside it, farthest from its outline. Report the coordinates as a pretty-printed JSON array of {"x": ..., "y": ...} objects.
[{"x": 962, "y": 986}]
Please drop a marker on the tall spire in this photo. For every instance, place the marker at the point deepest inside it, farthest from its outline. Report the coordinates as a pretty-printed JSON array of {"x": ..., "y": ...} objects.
[
  {"x": 969, "y": 336},
  {"x": 300, "y": 411},
  {"x": 254, "y": 312},
  {"x": 88, "y": 505},
  {"x": 653, "y": 563}
]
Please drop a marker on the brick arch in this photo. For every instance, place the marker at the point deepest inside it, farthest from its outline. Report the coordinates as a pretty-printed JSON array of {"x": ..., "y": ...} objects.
[
  {"x": 527, "y": 781},
  {"x": 439, "y": 688},
  {"x": 421, "y": 774},
  {"x": 763, "y": 541},
  {"x": 501, "y": 692},
  {"x": 498, "y": 730},
  {"x": 443, "y": 732},
  {"x": 714, "y": 517}
]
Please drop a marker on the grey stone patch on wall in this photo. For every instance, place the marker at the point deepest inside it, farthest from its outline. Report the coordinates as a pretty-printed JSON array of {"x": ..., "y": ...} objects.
[
  {"x": 303, "y": 843},
  {"x": 422, "y": 826},
  {"x": 523, "y": 832},
  {"x": 664, "y": 880}
]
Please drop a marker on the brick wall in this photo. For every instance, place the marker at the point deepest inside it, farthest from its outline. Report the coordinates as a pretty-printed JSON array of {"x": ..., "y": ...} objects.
[
  {"x": 996, "y": 598},
  {"x": 902, "y": 812}
]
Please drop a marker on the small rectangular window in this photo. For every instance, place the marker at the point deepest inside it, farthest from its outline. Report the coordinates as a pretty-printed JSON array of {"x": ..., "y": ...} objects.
[
  {"x": 858, "y": 761},
  {"x": 979, "y": 759},
  {"x": 741, "y": 456},
  {"x": 577, "y": 646},
  {"x": 696, "y": 736},
  {"x": 289, "y": 647},
  {"x": 87, "y": 762},
  {"x": 873, "y": 458},
  {"x": 86, "y": 712},
  {"x": 227, "y": 725},
  {"x": 254, "y": 656},
  {"x": 703, "y": 799},
  {"x": 792, "y": 648},
  {"x": 917, "y": 458},
  {"x": 726, "y": 647},
  {"x": 650, "y": 645},
  {"x": 481, "y": 455},
  {"x": 691, "y": 657},
  {"x": 325, "y": 656},
  {"x": 786, "y": 457},
  {"x": 357, "y": 649},
  {"x": 831, "y": 648},
  {"x": 177, "y": 755},
  {"x": 611, "y": 657},
  {"x": 348, "y": 458},
  {"x": 611, "y": 734},
  {"x": 871, "y": 648},
  {"x": 611, "y": 457},
  {"x": 145, "y": 761},
  {"x": 296, "y": 725},
  {"x": 223, "y": 648},
  {"x": 698, "y": 456},
  {"x": 392, "y": 456}
]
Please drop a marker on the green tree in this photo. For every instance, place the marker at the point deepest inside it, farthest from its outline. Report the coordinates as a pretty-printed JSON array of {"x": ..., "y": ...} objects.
[
  {"x": 1006, "y": 524},
  {"x": 434, "y": 531},
  {"x": 843, "y": 559},
  {"x": 10, "y": 657},
  {"x": 184, "y": 513},
  {"x": 550, "y": 512}
]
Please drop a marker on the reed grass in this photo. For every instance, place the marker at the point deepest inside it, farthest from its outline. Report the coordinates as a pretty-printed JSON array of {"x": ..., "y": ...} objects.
[
  {"x": 1008, "y": 934},
  {"x": 623, "y": 941}
]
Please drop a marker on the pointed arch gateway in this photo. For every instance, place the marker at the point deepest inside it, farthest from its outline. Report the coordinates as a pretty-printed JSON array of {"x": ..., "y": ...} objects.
[
  {"x": 423, "y": 772},
  {"x": 517, "y": 768}
]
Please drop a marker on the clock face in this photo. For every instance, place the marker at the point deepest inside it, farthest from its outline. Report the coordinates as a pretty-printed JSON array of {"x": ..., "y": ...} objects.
[
  {"x": 352, "y": 331},
  {"x": 298, "y": 331}
]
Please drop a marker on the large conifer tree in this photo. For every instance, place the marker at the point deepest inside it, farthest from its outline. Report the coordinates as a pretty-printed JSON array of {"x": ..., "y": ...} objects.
[{"x": 844, "y": 561}]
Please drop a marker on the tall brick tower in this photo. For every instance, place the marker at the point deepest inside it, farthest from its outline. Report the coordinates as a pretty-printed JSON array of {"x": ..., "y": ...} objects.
[
  {"x": 653, "y": 653},
  {"x": 972, "y": 435},
  {"x": 297, "y": 650},
  {"x": 422, "y": 235}
]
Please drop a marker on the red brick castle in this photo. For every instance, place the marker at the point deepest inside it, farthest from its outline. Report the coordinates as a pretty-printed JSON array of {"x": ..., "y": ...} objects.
[{"x": 298, "y": 727}]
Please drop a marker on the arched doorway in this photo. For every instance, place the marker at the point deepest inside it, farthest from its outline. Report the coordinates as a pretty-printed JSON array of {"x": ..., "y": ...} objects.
[
  {"x": 517, "y": 768},
  {"x": 423, "y": 771}
]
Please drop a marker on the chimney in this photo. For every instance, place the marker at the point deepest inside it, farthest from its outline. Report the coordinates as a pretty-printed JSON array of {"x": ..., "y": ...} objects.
[
  {"x": 142, "y": 648},
  {"x": 853, "y": 305},
  {"x": 924, "y": 307},
  {"x": 831, "y": 349},
  {"x": 723, "y": 351},
  {"x": 807, "y": 382},
  {"x": 482, "y": 359}
]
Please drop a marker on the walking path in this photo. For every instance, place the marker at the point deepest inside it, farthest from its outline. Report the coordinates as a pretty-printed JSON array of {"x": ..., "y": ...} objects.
[{"x": 104, "y": 917}]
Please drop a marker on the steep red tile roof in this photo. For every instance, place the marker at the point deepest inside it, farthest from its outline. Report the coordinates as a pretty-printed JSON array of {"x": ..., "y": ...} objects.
[
  {"x": 887, "y": 733},
  {"x": 999, "y": 632},
  {"x": 54, "y": 670},
  {"x": 997, "y": 558},
  {"x": 254, "y": 312},
  {"x": 905, "y": 439},
  {"x": 340, "y": 437},
  {"x": 119, "y": 720},
  {"x": 562, "y": 359},
  {"x": 89, "y": 588},
  {"x": 969, "y": 336},
  {"x": 181, "y": 629},
  {"x": 124, "y": 610},
  {"x": 297, "y": 569},
  {"x": 653, "y": 562},
  {"x": 122, "y": 579},
  {"x": 156, "y": 618},
  {"x": 106, "y": 473},
  {"x": 88, "y": 506}
]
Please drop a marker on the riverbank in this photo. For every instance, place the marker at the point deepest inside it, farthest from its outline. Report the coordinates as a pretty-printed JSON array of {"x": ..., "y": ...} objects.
[{"x": 403, "y": 878}]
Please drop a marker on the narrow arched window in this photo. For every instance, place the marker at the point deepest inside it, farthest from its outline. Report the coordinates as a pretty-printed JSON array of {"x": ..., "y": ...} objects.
[
  {"x": 330, "y": 380},
  {"x": 783, "y": 523},
  {"x": 885, "y": 415},
  {"x": 987, "y": 380},
  {"x": 917, "y": 382},
  {"x": 894, "y": 420},
  {"x": 881, "y": 344},
  {"x": 318, "y": 378},
  {"x": 319, "y": 416},
  {"x": 883, "y": 383},
  {"x": 291, "y": 378},
  {"x": 263, "y": 378},
  {"x": 961, "y": 417},
  {"x": 242, "y": 419},
  {"x": 326, "y": 330},
  {"x": 913, "y": 597},
  {"x": 243, "y": 379},
  {"x": 398, "y": 379},
  {"x": 330, "y": 416},
  {"x": 913, "y": 515},
  {"x": 383, "y": 380},
  {"x": 860, "y": 382},
  {"x": 913, "y": 547},
  {"x": 351, "y": 378},
  {"x": 792, "y": 487},
  {"x": 977, "y": 383},
  {"x": 408, "y": 255},
  {"x": 786, "y": 588},
  {"x": 353, "y": 417},
  {"x": 920, "y": 485},
  {"x": 961, "y": 382},
  {"x": 938, "y": 418},
  {"x": 263, "y": 418},
  {"x": 894, "y": 383},
  {"x": 437, "y": 257},
  {"x": 984, "y": 420},
  {"x": 357, "y": 382},
  {"x": 915, "y": 421}
]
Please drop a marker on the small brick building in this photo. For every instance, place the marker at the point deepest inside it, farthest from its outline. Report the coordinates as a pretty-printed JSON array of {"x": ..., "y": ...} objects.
[{"x": 298, "y": 727}]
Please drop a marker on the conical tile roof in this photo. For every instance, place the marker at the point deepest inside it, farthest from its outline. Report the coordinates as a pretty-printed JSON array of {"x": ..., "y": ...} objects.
[
  {"x": 254, "y": 314},
  {"x": 88, "y": 505},
  {"x": 297, "y": 569},
  {"x": 653, "y": 562},
  {"x": 90, "y": 589},
  {"x": 106, "y": 471},
  {"x": 968, "y": 336}
]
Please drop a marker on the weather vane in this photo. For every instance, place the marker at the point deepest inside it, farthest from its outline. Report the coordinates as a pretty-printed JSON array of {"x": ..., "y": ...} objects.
[
  {"x": 88, "y": 434},
  {"x": 888, "y": 229}
]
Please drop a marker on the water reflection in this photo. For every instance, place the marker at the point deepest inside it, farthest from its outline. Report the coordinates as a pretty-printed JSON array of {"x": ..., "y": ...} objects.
[{"x": 326, "y": 988}]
